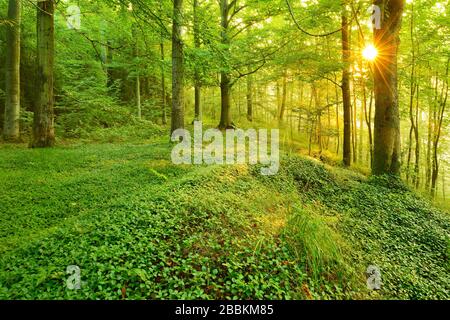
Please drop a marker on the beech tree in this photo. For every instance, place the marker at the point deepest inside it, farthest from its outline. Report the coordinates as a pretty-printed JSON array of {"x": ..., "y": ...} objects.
[
  {"x": 346, "y": 88},
  {"x": 177, "y": 68},
  {"x": 387, "y": 119},
  {"x": 43, "y": 124},
  {"x": 197, "y": 83},
  {"x": 11, "y": 129}
]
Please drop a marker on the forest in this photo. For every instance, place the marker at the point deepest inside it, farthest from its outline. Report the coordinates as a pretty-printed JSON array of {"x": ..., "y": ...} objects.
[{"x": 94, "y": 95}]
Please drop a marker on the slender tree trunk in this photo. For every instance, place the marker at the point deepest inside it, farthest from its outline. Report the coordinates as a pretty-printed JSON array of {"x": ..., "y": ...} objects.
[
  {"x": 363, "y": 110},
  {"x": 417, "y": 139},
  {"x": 328, "y": 120},
  {"x": 197, "y": 80},
  {"x": 368, "y": 115},
  {"x": 412, "y": 95},
  {"x": 283, "y": 97},
  {"x": 163, "y": 84},
  {"x": 363, "y": 119},
  {"x": 387, "y": 120},
  {"x": 11, "y": 130},
  {"x": 138, "y": 78},
  {"x": 250, "y": 98},
  {"x": 442, "y": 103},
  {"x": 239, "y": 99},
  {"x": 138, "y": 97},
  {"x": 354, "y": 123},
  {"x": 43, "y": 125},
  {"x": 300, "y": 105},
  {"x": 408, "y": 162},
  {"x": 225, "y": 79},
  {"x": 443, "y": 184},
  {"x": 415, "y": 90},
  {"x": 346, "y": 89},
  {"x": 310, "y": 120},
  {"x": 213, "y": 109},
  {"x": 338, "y": 129},
  {"x": 290, "y": 109},
  {"x": 430, "y": 138},
  {"x": 225, "y": 115},
  {"x": 177, "y": 68},
  {"x": 354, "y": 116},
  {"x": 318, "y": 118},
  {"x": 278, "y": 90}
]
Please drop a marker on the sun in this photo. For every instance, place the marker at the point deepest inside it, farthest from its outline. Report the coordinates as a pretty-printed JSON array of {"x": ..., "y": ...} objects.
[{"x": 370, "y": 52}]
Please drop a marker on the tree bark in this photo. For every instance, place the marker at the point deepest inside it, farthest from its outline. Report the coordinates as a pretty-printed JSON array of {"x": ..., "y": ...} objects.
[
  {"x": 225, "y": 79},
  {"x": 197, "y": 80},
  {"x": 43, "y": 125},
  {"x": 283, "y": 97},
  {"x": 250, "y": 98},
  {"x": 411, "y": 96},
  {"x": 354, "y": 122},
  {"x": 431, "y": 107},
  {"x": 11, "y": 130},
  {"x": 368, "y": 116},
  {"x": 416, "y": 134},
  {"x": 163, "y": 83},
  {"x": 442, "y": 103},
  {"x": 225, "y": 115},
  {"x": 138, "y": 77},
  {"x": 338, "y": 129},
  {"x": 177, "y": 68},
  {"x": 387, "y": 120},
  {"x": 347, "y": 154}
]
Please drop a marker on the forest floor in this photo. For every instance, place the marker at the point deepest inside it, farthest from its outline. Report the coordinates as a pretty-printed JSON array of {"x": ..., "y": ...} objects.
[{"x": 140, "y": 227}]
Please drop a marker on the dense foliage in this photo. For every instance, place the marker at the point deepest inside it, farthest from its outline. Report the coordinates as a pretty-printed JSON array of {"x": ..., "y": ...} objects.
[{"x": 140, "y": 228}]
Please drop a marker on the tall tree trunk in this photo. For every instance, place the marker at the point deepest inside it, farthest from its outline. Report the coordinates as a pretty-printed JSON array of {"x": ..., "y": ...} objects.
[
  {"x": 443, "y": 184},
  {"x": 278, "y": 99},
  {"x": 163, "y": 73},
  {"x": 442, "y": 103},
  {"x": 177, "y": 68},
  {"x": 300, "y": 105},
  {"x": 417, "y": 139},
  {"x": 197, "y": 80},
  {"x": 368, "y": 116},
  {"x": 291, "y": 109},
  {"x": 138, "y": 77},
  {"x": 250, "y": 98},
  {"x": 11, "y": 130},
  {"x": 387, "y": 120},
  {"x": 319, "y": 120},
  {"x": 354, "y": 122},
  {"x": 43, "y": 125},
  {"x": 346, "y": 89},
  {"x": 412, "y": 95},
  {"x": 363, "y": 109},
  {"x": 328, "y": 120},
  {"x": 283, "y": 97},
  {"x": 361, "y": 126},
  {"x": 138, "y": 96},
  {"x": 430, "y": 137},
  {"x": 338, "y": 129},
  {"x": 225, "y": 79},
  {"x": 225, "y": 114},
  {"x": 310, "y": 120},
  {"x": 163, "y": 84}
]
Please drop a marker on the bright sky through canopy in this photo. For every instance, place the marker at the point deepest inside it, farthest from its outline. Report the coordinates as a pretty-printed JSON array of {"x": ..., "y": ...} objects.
[{"x": 370, "y": 52}]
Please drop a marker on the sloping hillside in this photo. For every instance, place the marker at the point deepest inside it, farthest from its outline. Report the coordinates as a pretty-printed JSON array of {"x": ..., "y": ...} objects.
[{"x": 141, "y": 228}]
